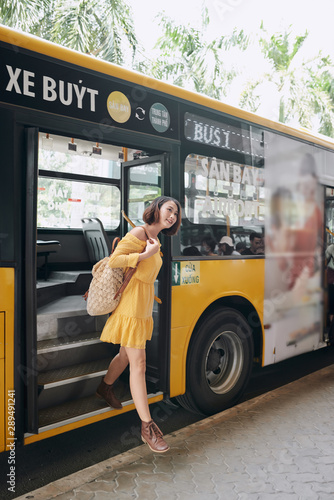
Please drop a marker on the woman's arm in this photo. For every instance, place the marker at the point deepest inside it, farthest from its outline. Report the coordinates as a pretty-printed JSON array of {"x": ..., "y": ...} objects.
[
  {"x": 128, "y": 252},
  {"x": 121, "y": 259},
  {"x": 152, "y": 247}
]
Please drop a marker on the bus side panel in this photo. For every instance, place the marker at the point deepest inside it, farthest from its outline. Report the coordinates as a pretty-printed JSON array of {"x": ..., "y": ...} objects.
[
  {"x": 238, "y": 277},
  {"x": 7, "y": 277},
  {"x": 179, "y": 345}
]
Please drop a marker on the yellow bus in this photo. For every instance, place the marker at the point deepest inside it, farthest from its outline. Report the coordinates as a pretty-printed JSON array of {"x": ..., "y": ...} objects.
[{"x": 242, "y": 283}]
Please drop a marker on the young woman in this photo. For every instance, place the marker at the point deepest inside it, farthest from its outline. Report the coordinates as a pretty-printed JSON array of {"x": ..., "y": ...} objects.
[{"x": 131, "y": 324}]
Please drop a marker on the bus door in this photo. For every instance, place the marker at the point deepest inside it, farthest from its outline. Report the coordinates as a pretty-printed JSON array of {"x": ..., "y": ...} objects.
[
  {"x": 29, "y": 373},
  {"x": 144, "y": 180}
]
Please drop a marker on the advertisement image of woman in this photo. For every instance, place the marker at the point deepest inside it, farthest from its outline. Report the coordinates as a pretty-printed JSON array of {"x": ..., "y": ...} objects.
[{"x": 131, "y": 324}]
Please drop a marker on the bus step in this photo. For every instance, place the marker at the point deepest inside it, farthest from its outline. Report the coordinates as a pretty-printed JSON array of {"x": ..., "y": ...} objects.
[
  {"x": 61, "y": 284},
  {"x": 80, "y": 285},
  {"x": 71, "y": 382},
  {"x": 49, "y": 292},
  {"x": 61, "y": 352},
  {"x": 66, "y": 317},
  {"x": 78, "y": 381},
  {"x": 152, "y": 383},
  {"x": 71, "y": 276},
  {"x": 83, "y": 407},
  {"x": 75, "y": 411}
]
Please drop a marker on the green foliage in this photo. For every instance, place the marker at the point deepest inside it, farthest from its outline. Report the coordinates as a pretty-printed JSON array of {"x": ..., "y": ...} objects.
[
  {"x": 305, "y": 88},
  {"x": 278, "y": 48},
  {"x": 188, "y": 58},
  {"x": 102, "y": 28},
  {"x": 321, "y": 88},
  {"x": 22, "y": 14}
]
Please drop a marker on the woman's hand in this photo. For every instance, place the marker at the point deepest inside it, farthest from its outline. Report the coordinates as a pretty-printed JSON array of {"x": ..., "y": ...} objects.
[{"x": 152, "y": 247}]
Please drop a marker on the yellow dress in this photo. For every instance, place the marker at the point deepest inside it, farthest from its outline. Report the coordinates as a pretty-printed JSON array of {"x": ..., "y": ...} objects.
[{"x": 131, "y": 324}]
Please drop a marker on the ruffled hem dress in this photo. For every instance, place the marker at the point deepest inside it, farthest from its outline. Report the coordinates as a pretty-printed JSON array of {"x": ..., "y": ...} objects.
[{"x": 131, "y": 324}]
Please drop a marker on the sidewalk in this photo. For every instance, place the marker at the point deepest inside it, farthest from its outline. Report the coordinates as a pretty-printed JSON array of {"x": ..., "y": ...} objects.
[{"x": 277, "y": 446}]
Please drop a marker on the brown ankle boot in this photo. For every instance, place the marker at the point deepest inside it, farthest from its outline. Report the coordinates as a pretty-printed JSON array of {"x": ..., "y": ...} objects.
[
  {"x": 152, "y": 435},
  {"x": 106, "y": 392}
]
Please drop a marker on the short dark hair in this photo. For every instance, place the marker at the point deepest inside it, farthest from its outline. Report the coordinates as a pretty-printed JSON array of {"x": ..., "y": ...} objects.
[
  {"x": 152, "y": 214},
  {"x": 210, "y": 242},
  {"x": 255, "y": 235},
  {"x": 191, "y": 251},
  {"x": 240, "y": 246}
]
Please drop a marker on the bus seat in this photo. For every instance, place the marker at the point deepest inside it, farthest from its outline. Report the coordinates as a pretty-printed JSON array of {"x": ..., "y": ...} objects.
[
  {"x": 44, "y": 248},
  {"x": 98, "y": 243}
]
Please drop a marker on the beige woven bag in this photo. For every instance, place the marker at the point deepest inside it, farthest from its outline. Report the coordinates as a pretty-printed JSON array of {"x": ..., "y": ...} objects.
[
  {"x": 103, "y": 296},
  {"x": 107, "y": 285}
]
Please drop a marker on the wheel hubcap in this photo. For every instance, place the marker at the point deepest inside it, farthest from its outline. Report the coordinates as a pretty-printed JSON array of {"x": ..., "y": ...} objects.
[{"x": 224, "y": 361}]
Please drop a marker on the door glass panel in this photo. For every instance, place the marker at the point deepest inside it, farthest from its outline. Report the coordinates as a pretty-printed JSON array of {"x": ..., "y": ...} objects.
[{"x": 144, "y": 185}]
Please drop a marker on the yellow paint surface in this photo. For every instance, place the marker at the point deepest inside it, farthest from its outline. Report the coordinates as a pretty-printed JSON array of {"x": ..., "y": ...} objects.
[
  {"x": 7, "y": 277},
  {"x": 218, "y": 278}
]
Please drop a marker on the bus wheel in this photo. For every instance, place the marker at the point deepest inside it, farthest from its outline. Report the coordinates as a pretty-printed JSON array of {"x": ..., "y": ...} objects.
[{"x": 219, "y": 363}]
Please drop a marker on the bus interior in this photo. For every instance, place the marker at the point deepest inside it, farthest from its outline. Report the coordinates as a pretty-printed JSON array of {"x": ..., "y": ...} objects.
[{"x": 79, "y": 194}]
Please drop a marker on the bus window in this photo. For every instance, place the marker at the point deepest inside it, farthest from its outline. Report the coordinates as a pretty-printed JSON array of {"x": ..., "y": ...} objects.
[
  {"x": 77, "y": 179},
  {"x": 221, "y": 198},
  {"x": 63, "y": 203}
]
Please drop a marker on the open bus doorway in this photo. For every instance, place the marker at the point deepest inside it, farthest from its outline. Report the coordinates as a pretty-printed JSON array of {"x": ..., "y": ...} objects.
[{"x": 77, "y": 179}]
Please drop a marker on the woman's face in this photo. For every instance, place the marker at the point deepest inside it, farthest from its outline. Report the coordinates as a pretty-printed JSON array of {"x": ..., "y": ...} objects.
[{"x": 168, "y": 214}]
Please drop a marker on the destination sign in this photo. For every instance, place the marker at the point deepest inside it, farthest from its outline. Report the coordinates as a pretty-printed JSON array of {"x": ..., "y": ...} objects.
[{"x": 242, "y": 138}]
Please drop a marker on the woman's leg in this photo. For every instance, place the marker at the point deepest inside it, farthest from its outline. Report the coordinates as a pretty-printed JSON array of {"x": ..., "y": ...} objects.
[
  {"x": 116, "y": 367},
  {"x": 150, "y": 432},
  {"x": 137, "y": 360},
  {"x": 105, "y": 389}
]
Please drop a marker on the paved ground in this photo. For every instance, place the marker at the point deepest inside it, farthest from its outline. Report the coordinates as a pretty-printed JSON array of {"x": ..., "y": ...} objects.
[{"x": 277, "y": 446}]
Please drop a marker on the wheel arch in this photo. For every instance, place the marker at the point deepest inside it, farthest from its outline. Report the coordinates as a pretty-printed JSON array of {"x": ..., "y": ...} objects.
[
  {"x": 236, "y": 304},
  {"x": 243, "y": 306}
]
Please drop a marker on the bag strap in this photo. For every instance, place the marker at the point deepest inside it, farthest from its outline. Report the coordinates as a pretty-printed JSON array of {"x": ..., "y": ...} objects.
[
  {"x": 126, "y": 281},
  {"x": 146, "y": 234},
  {"x": 114, "y": 244},
  {"x": 128, "y": 275},
  {"x": 159, "y": 301}
]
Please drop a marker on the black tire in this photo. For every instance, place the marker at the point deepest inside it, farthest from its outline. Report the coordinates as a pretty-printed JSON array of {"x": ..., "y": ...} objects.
[{"x": 219, "y": 363}]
